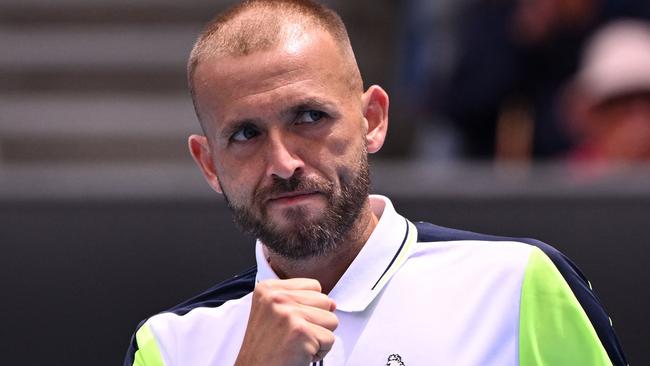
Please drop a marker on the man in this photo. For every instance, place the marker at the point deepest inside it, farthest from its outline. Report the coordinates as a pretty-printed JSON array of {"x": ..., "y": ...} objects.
[{"x": 341, "y": 278}]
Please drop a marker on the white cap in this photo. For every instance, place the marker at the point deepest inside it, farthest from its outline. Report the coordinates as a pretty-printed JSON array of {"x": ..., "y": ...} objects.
[{"x": 617, "y": 60}]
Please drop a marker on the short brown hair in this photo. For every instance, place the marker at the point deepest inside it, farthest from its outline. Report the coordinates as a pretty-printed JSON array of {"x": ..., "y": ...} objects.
[{"x": 233, "y": 33}]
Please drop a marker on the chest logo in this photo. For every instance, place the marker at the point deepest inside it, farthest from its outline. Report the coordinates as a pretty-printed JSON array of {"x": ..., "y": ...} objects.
[{"x": 395, "y": 360}]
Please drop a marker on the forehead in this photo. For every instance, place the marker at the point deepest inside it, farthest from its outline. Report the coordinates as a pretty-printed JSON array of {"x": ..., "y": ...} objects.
[{"x": 311, "y": 63}]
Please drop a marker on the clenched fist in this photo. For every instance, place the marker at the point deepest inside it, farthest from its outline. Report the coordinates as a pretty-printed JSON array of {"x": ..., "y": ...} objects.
[{"x": 291, "y": 323}]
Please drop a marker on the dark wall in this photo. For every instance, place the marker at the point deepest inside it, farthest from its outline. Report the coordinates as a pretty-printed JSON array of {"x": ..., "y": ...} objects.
[{"x": 77, "y": 276}]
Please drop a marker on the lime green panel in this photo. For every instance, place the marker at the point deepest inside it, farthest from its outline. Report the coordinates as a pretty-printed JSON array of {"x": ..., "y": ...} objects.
[
  {"x": 148, "y": 353},
  {"x": 553, "y": 327}
]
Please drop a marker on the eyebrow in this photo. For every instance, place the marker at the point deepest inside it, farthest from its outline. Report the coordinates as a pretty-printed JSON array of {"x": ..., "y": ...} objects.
[{"x": 311, "y": 103}]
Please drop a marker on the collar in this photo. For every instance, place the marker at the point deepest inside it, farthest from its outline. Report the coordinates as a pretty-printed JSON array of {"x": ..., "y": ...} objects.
[{"x": 385, "y": 251}]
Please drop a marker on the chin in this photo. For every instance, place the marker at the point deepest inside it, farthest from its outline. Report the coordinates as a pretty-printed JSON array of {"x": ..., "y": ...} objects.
[{"x": 299, "y": 215}]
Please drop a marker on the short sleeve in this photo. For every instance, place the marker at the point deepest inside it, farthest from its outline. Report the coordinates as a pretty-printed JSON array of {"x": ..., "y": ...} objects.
[
  {"x": 553, "y": 327},
  {"x": 147, "y": 352}
]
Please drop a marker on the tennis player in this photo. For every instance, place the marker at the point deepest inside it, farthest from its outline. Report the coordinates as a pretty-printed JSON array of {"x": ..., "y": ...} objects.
[{"x": 341, "y": 277}]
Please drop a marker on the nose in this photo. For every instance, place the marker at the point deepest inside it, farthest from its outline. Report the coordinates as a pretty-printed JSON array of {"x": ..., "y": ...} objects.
[{"x": 282, "y": 159}]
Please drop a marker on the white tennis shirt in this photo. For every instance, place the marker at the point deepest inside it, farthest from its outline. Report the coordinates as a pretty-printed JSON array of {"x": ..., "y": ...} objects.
[{"x": 409, "y": 302}]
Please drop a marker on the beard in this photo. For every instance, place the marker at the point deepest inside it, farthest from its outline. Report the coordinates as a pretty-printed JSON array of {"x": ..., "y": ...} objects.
[{"x": 306, "y": 238}]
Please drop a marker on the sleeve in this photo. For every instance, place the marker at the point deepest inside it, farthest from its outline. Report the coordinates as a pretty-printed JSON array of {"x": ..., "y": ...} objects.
[
  {"x": 144, "y": 349},
  {"x": 554, "y": 329}
]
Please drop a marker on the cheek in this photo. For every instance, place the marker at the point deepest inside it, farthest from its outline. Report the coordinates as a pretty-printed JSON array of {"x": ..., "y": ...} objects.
[
  {"x": 347, "y": 141},
  {"x": 238, "y": 181},
  {"x": 346, "y": 155},
  {"x": 335, "y": 156},
  {"x": 339, "y": 146}
]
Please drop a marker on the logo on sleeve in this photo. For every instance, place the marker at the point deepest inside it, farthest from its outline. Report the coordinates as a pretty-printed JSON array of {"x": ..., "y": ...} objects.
[{"x": 395, "y": 360}]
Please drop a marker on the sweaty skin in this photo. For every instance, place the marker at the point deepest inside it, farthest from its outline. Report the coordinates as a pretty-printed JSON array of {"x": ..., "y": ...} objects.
[{"x": 258, "y": 111}]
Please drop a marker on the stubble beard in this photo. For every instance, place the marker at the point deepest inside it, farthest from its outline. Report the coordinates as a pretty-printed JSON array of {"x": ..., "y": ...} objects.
[{"x": 305, "y": 238}]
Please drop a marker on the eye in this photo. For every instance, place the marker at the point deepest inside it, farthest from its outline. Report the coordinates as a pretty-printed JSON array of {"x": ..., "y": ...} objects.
[
  {"x": 245, "y": 133},
  {"x": 310, "y": 116}
]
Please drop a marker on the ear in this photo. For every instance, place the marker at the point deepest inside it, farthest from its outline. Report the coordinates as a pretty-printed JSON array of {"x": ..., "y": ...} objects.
[
  {"x": 375, "y": 112},
  {"x": 200, "y": 151}
]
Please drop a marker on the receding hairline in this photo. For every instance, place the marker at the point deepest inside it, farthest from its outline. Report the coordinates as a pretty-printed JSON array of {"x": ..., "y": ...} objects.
[{"x": 259, "y": 25}]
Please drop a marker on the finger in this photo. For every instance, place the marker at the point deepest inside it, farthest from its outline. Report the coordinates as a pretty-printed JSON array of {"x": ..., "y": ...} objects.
[
  {"x": 319, "y": 317},
  {"x": 311, "y": 298},
  {"x": 324, "y": 340},
  {"x": 294, "y": 284},
  {"x": 319, "y": 355}
]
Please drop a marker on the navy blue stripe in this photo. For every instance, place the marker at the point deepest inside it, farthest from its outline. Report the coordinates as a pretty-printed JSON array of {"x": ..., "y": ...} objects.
[
  {"x": 234, "y": 288},
  {"x": 572, "y": 275},
  {"x": 395, "y": 256}
]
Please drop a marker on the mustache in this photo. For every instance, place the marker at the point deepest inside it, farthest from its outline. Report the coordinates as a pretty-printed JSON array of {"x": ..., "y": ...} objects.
[{"x": 296, "y": 182}]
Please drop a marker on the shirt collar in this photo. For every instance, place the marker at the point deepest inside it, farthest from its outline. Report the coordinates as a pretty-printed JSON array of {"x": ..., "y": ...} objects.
[{"x": 381, "y": 256}]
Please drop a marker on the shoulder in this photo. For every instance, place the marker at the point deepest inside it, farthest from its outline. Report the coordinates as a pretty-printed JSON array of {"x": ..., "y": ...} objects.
[
  {"x": 195, "y": 316},
  {"x": 428, "y": 232},
  {"x": 537, "y": 257}
]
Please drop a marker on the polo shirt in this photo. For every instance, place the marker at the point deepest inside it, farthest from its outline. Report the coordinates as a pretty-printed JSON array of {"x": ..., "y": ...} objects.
[{"x": 416, "y": 294}]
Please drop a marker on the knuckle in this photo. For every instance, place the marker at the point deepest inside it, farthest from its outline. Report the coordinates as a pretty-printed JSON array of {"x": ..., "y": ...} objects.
[
  {"x": 267, "y": 295},
  {"x": 315, "y": 285},
  {"x": 285, "y": 318},
  {"x": 327, "y": 341},
  {"x": 283, "y": 313},
  {"x": 297, "y": 329},
  {"x": 274, "y": 297},
  {"x": 311, "y": 348},
  {"x": 261, "y": 289}
]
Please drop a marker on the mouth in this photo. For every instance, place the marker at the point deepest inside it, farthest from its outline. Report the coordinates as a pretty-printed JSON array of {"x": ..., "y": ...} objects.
[{"x": 292, "y": 197}]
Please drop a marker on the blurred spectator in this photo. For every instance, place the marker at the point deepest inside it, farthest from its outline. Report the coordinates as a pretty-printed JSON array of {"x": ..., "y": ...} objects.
[
  {"x": 608, "y": 104},
  {"x": 425, "y": 54},
  {"x": 515, "y": 57}
]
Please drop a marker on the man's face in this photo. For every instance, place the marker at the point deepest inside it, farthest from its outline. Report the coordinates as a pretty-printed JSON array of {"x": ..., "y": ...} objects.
[
  {"x": 620, "y": 127},
  {"x": 287, "y": 140}
]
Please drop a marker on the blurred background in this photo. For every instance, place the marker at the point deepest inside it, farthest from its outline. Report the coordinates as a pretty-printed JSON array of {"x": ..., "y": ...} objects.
[{"x": 510, "y": 117}]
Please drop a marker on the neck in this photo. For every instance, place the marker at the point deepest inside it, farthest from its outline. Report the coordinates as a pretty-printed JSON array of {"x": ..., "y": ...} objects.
[{"x": 329, "y": 268}]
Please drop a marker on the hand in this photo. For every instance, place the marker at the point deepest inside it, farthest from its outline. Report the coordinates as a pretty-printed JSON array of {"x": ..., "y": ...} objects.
[{"x": 291, "y": 323}]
